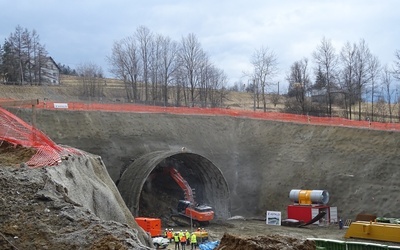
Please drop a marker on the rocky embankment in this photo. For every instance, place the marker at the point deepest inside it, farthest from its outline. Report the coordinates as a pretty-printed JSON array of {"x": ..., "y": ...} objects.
[{"x": 74, "y": 205}]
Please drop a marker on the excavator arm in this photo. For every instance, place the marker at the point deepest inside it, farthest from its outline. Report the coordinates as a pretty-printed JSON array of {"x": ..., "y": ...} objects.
[
  {"x": 189, "y": 213},
  {"x": 182, "y": 184}
]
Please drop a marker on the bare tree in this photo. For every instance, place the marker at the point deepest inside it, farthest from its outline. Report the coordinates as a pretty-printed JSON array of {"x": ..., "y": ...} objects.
[
  {"x": 155, "y": 68},
  {"x": 326, "y": 61},
  {"x": 265, "y": 64},
  {"x": 91, "y": 76},
  {"x": 374, "y": 74},
  {"x": 145, "y": 40},
  {"x": 348, "y": 62},
  {"x": 191, "y": 56},
  {"x": 388, "y": 90},
  {"x": 169, "y": 64},
  {"x": 216, "y": 88},
  {"x": 125, "y": 65},
  {"x": 362, "y": 76},
  {"x": 299, "y": 83}
]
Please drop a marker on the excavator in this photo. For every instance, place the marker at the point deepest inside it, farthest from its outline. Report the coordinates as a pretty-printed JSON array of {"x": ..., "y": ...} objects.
[{"x": 189, "y": 212}]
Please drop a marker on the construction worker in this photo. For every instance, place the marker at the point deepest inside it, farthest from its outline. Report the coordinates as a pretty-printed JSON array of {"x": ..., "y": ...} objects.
[
  {"x": 183, "y": 241},
  {"x": 176, "y": 240},
  {"x": 187, "y": 234},
  {"x": 169, "y": 235},
  {"x": 193, "y": 241},
  {"x": 166, "y": 233}
]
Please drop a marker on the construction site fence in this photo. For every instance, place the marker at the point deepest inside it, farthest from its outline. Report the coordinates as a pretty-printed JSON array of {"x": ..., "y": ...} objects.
[
  {"x": 19, "y": 133},
  {"x": 273, "y": 116}
]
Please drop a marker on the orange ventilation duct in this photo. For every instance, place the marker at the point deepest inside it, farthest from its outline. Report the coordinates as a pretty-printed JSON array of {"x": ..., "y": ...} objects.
[{"x": 309, "y": 197}]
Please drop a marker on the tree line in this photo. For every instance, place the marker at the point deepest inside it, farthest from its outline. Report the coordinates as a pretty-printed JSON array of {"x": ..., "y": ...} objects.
[
  {"x": 346, "y": 79},
  {"x": 157, "y": 69},
  {"x": 343, "y": 81},
  {"x": 154, "y": 68}
]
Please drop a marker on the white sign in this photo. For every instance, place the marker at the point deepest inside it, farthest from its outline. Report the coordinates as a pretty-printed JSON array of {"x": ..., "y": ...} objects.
[
  {"x": 273, "y": 218},
  {"x": 61, "y": 105}
]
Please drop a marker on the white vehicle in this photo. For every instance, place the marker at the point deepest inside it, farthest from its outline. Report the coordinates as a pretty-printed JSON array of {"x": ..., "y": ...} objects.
[{"x": 160, "y": 242}]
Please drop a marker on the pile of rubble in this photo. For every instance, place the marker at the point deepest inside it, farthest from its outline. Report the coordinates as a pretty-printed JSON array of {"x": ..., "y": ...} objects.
[
  {"x": 45, "y": 209},
  {"x": 270, "y": 242}
]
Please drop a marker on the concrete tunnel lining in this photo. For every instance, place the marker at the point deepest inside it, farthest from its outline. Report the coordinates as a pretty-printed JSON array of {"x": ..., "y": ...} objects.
[{"x": 215, "y": 189}]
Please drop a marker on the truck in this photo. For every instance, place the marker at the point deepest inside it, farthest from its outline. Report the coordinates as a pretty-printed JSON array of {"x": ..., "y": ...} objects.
[{"x": 188, "y": 211}]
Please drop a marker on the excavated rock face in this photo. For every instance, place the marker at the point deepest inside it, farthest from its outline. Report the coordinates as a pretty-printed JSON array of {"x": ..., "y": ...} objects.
[
  {"x": 270, "y": 242},
  {"x": 71, "y": 206}
]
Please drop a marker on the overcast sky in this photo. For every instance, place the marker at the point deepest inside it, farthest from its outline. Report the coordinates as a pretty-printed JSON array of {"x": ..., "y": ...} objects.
[{"x": 79, "y": 31}]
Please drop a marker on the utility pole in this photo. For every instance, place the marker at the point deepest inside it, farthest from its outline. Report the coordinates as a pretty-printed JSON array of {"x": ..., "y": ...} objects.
[{"x": 254, "y": 90}]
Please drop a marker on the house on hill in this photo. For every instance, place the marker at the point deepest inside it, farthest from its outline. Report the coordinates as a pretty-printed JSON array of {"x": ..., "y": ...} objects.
[{"x": 50, "y": 72}]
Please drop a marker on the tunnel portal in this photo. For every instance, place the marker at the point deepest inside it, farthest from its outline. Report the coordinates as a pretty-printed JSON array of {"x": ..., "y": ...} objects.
[{"x": 148, "y": 189}]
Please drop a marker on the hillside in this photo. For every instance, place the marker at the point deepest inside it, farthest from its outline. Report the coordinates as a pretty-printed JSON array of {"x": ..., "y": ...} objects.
[{"x": 69, "y": 90}]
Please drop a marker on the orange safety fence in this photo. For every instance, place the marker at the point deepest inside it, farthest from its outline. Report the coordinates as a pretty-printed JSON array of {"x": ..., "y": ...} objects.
[
  {"x": 274, "y": 116},
  {"x": 18, "y": 132}
]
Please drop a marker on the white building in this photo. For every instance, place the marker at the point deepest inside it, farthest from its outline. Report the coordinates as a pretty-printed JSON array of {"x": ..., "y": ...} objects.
[{"x": 50, "y": 72}]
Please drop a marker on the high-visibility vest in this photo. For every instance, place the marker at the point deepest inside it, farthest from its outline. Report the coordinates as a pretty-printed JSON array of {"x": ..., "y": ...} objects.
[
  {"x": 169, "y": 235},
  {"x": 183, "y": 238},
  {"x": 176, "y": 238},
  {"x": 193, "y": 239},
  {"x": 187, "y": 235}
]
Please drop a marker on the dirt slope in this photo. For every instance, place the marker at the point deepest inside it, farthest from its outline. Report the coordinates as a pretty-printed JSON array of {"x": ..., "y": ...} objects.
[{"x": 71, "y": 206}]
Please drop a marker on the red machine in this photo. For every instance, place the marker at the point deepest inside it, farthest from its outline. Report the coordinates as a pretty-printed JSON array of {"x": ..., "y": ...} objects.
[
  {"x": 150, "y": 225},
  {"x": 189, "y": 213}
]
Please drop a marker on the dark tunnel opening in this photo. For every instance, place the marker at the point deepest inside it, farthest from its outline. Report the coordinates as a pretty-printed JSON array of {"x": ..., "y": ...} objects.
[
  {"x": 161, "y": 193},
  {"x": 149, "y": 190}
]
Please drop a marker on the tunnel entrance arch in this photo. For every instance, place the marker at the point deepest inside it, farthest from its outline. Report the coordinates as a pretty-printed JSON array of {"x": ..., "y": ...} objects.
[{"x": 210, "y": 185}]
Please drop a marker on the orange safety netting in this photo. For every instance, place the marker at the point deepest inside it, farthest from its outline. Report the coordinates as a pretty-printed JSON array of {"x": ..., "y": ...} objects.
[
  {"x": 275, "y": 116},
  {"x": 18, "y": 132}
]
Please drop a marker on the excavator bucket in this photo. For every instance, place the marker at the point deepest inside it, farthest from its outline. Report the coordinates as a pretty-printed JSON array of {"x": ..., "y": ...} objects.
[{"x": 374, "y": 231}]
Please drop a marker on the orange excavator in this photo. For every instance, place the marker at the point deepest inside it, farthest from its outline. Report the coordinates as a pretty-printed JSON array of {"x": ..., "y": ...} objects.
[{"x": 189, "y": 212}]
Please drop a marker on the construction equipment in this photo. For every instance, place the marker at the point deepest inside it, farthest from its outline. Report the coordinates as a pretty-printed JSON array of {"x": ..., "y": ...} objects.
[
  {"x": 150, "y": 225},
  {"x": 189, "y": 212},
  {"x": 201, "y": 235},
  {"x": 374, "y": 231}
]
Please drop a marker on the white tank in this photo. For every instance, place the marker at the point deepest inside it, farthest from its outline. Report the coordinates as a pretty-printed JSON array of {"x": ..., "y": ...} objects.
[{"x": 308, "y": 197}]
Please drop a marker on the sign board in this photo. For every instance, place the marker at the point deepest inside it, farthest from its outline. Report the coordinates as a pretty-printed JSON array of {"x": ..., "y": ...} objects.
[
  {"x": 273, "y": 218},
  {"x": 61, "y": 105},
  {"x": 314, "y": 213},
  {"x": 333, "y": 215}
]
